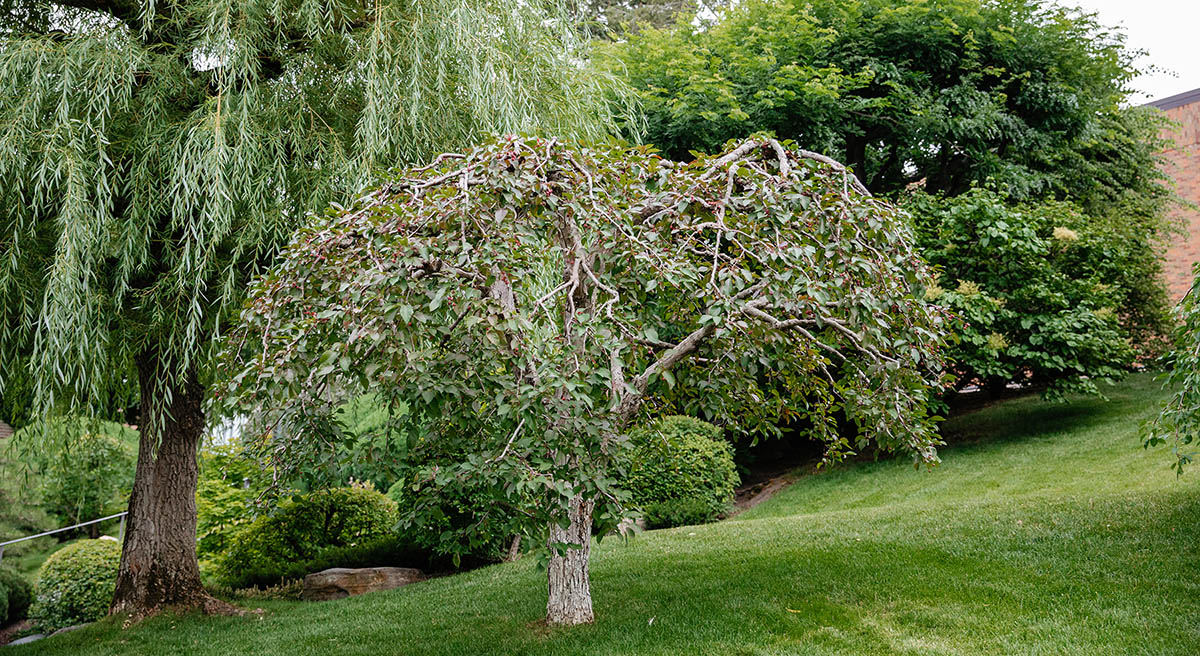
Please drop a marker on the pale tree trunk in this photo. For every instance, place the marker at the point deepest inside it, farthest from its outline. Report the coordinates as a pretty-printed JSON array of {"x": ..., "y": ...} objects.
[
  {"x": 570, "y": 599},
  {"x": 158, "y": 559}
]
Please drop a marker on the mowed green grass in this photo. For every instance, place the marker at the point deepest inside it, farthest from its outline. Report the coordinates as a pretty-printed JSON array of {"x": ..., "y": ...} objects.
[{"x": 1046, "y": 530}]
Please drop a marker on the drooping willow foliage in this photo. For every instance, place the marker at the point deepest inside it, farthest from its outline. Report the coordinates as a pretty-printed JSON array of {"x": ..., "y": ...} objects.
[
  {"x": 524, "y": 302},
  {"x": 153, "y": 155}
]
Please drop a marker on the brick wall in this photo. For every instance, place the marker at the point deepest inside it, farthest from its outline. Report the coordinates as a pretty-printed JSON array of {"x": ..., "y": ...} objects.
[{"x": 1183, "y": 164}]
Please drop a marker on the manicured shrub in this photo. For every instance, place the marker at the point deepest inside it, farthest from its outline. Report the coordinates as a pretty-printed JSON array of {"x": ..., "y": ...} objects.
[
  {"x": 76, "y": 584},
  {"x": 303, "y": 528},
  {"x": 17, "y": 594},
  {"x": 681, "y": 472}
]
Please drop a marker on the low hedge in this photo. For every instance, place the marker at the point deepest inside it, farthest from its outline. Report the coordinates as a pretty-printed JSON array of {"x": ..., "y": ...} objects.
[{"x": 389, "y": 551}]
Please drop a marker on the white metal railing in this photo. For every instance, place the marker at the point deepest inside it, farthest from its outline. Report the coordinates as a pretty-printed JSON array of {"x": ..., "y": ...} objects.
[{"x": 120, "y": 537}]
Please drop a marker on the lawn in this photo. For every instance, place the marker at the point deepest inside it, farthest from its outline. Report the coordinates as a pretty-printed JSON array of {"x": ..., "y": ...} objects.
[{"x": 1046, "y": 530}]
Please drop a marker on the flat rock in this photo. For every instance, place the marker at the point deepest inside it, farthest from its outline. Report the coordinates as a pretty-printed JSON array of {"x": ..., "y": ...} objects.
[
  {"x": 340, "y": 582},
  {"x": 27, "y": 639}
]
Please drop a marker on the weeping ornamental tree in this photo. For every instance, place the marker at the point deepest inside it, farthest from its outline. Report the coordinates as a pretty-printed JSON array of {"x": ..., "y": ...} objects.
[
  {"x": 525, "y": 302},
  {"x": 155, "y": 155}
]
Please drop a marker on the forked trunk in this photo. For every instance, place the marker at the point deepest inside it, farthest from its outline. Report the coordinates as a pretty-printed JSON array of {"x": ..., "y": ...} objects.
[
  {"x": 158, "y": 560},
  {"x": 570, "y": 600}
]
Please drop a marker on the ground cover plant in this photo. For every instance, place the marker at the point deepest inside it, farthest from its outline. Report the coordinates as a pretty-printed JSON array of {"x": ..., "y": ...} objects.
[
  {"x": 523, "y": 302},
  {"x": 1044, "y": 530}
]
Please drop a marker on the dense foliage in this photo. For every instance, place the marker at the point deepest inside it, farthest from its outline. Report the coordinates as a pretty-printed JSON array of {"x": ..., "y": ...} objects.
[
  {"x": 304, "y": 527},
  {"x": 953, "y": 93},
  {"x": 75, "y": 585},
  {"x": 89, "y": 480},
  {"x": 1024, "y": 97},
  {"x": 681, "y": 472},
  {"x": 455, "y": 514},
  {"x": 83, "y": 468},
  {"x": 227, "y": 499},
  {"x": 17, "y": 593},
  {"x": 1038, "y": 289},
  {"x": 523, "y": 300}
]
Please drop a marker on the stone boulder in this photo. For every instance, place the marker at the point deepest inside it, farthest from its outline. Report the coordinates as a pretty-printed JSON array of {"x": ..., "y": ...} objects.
[{"x": 341, "y": 582}]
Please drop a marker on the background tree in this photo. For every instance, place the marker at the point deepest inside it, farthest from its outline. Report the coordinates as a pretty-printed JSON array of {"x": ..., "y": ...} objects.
[
  {"x": 86, "y": 467},
  {"x": 1023, "y": 97},
  {"x": 155, "y": 155},
  {"x": 527, "y": 301}
]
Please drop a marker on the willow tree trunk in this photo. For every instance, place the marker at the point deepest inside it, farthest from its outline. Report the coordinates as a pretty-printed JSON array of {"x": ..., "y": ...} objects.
[
  {"x": 158, "y": 560},
  {"x": 570, "y": 599}
]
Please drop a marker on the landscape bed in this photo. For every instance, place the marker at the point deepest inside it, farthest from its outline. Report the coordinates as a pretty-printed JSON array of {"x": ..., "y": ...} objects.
[{"x": 1046, "y": 530}]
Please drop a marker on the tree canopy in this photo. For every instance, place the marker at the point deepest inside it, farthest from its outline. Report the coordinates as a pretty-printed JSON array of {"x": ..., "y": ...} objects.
[
  {"x": 155, "y": 154},
  {"x": 526, "y": 300},
  {"x": 950, "y": 92}
]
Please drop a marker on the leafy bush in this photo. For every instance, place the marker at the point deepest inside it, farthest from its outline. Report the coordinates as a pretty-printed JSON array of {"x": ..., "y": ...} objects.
[
  {"x": 458, "y": 509},
  {"x": 76, "y": 584},
  {"x": 17, "y": 594},
  {"x": 1033, "y": 286},
  {"x": 303, "y": 528},
  {"x": 84, "y": 467},
  {"x": 1178, "y": 423},
  {"x": 225, "y": 495},
  {"x": 681, "y": 472}
]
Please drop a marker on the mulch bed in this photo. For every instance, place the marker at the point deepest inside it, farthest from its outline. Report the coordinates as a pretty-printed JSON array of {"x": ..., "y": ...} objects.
[{"x": 10, "y": 632}]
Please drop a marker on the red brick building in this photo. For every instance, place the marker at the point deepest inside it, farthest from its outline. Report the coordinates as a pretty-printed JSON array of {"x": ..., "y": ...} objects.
[{"x": 1183, "y": 164}]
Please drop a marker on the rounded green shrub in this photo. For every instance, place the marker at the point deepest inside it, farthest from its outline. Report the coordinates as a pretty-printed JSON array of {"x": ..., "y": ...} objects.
[
  {"x": 456, "y": 509},
  {"x": 681, "y": 472},
  {"x": 76, "y": 584},
  {"x": 304, "y": 527},
  {"x": 17, "y": 594}
]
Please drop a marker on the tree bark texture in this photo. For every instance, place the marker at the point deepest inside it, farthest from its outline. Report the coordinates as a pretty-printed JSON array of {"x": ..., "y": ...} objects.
[
  {"x": 158, "y": 559},
  {"x": 570, "y": 598}
]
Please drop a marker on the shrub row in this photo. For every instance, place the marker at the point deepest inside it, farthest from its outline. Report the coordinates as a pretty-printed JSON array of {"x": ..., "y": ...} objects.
[{"x": 306, "y": 531}]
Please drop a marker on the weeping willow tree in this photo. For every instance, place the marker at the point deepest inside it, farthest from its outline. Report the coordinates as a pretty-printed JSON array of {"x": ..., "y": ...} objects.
[{"x": 154, "y": 156}]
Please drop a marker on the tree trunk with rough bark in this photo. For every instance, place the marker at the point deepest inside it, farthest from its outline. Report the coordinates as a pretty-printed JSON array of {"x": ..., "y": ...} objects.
[
  {"x": 158, "y": 559},
  {"x": 570, "y": 599}
]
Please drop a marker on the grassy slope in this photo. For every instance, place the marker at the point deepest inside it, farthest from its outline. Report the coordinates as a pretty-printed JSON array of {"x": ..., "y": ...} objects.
[{"x": 1047, "y": 530}]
